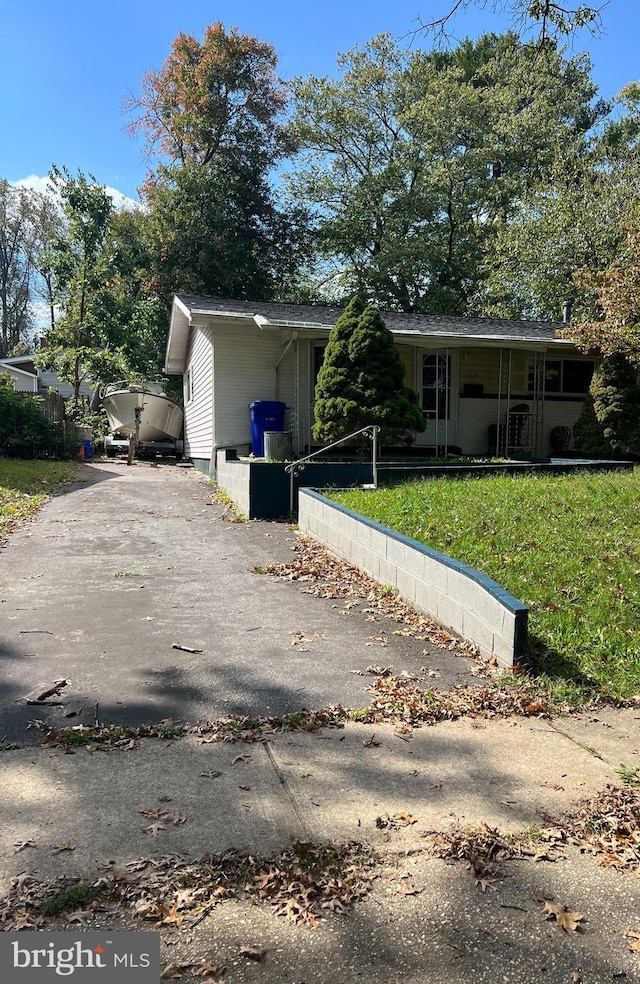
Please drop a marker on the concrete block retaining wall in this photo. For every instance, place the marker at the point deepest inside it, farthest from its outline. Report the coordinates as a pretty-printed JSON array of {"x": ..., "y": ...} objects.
[
  {"x": 235, "y": 480},
  {"x": 462, "y": 599}
]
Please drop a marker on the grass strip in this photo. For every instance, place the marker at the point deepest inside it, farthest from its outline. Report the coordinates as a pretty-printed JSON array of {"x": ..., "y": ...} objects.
[
  {"x": 567, "y": 546},
  {"x": 26, "y": 485}
]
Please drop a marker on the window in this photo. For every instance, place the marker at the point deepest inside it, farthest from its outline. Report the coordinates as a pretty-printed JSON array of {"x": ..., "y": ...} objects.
[
  {"x": 568, "y": 376},
  {"x": 189, "y": 387},
  {"x": 436, "y": 387}
]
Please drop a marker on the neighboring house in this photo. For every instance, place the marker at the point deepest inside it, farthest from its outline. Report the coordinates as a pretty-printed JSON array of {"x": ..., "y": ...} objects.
[
  {"x": 30, "y": 379},
  {"x": 22, "y": 372},
  {"x": 485, "y": 385}
]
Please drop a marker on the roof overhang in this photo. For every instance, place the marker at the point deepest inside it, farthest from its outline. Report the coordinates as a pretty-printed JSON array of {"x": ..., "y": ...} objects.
[
  {"x": 183, "y": 317},
  {"x": 5, "y": 365}
]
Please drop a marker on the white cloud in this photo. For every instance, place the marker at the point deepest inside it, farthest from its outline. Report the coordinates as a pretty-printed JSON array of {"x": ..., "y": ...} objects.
[{"x": 44, "y": 186}]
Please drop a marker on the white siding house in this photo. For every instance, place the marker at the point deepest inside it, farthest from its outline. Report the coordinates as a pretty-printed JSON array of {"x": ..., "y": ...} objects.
[
  {"x": 485, "y": 386},
  {"x": 23, "y": 380}
]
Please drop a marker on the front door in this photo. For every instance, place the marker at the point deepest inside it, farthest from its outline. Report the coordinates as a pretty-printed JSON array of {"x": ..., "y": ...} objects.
[{"x": 438, "y": 370}]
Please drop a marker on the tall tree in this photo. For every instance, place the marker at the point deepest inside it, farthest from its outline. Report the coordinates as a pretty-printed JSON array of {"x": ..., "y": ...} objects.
[
  {"x": 617, "y": 294},
  {"x": 571, "y": 220},
  {"x": 18, "y": 247},
  {"x": 215, "y": 117},
  {"x": 412, "y": 161},
  {"x": 218, "y": 98},
  {"x": 80, "y": 266}
]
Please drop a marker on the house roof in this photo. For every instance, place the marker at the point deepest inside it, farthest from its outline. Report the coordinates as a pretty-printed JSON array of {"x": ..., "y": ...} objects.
[{"x": 188, "y": 308}]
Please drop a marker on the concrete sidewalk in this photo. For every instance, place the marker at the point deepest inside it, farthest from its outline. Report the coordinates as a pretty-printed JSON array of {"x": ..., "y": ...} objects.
[
  {"x": 82, "y": 815},
  {"x": 71, "y": 598}
]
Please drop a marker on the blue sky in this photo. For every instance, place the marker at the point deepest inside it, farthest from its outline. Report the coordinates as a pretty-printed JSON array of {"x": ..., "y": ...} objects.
[{"x": 66, "y": 67}]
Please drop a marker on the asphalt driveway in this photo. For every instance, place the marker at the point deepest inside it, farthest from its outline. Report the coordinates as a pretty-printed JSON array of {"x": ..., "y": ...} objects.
[{"x": 130, "y": 561}]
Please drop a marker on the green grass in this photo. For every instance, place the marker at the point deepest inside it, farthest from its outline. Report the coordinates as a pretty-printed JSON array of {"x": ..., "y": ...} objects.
[
  {"x": 73, "y": 897},
  {"x": 25, "y": 486},
  {"x": 567, "y": 546}
]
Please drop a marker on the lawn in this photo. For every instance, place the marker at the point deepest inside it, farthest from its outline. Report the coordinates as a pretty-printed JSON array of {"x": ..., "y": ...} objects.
[
  {"x": 25, "y": 486},
  {"x": 567, "y": 546}
]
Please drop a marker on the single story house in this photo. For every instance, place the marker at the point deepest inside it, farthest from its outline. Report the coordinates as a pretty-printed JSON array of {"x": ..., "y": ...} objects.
[{"x": 485, "y": 385}]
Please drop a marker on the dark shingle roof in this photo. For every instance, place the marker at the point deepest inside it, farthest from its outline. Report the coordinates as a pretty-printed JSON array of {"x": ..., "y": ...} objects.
[{"x": 419, "y": 324}]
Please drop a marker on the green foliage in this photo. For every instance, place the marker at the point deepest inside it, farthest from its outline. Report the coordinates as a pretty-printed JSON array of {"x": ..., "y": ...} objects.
[
  {"x": 79, "y": 263},
  {"x": 414, "y": 161},
  {"x": 73, "y": 897},
  {"x": 216, "y": 229},
  {"x": 25, "y": 431},
  {"x": 629, "y": 775},
  {"x": 616, "y": 404},
  {"x": 24, "y": 486},
  {"x": 215, "y": 114},
  {"x": 588, "y": 433},
  {"x": 361, "y": 381},
  {"x": 566, "y": 546},
  {"x": 18, "y": 245}
]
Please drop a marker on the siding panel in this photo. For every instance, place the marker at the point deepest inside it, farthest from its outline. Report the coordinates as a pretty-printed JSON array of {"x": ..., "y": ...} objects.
[{"x": 198, "y": 411}]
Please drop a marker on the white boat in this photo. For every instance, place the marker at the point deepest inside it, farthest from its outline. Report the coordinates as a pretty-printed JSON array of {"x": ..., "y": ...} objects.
[{"x": 160, "y": 418}]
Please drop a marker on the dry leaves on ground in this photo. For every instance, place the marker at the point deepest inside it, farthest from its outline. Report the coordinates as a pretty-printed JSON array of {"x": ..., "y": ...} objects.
[
  {"x": 395, "y": 822},
  {"x": 301, "y": 884},
  {"x": 608, "y": 826},
  {"x": 565, "y": 919},
  {"x": 332, "y": 577},
  {"x": 401, "y": 699}
]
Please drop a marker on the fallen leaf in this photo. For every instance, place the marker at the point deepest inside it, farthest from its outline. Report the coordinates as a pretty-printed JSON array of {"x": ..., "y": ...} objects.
[
  {"x": 206, "y": 967},
  {"x": 241, "y": 758},
  {"x": 253, "y": 953},
  {"x": 172, "y": 970},
  {"x": 58, "y": 849},
  {"x": 154, "y": 828},
  {"x": 22, "y": 845},
  {"x": 79, "y": 916},
  {"x": 565, "y": 919},
  {"x": 404, "y": 818},
  {"x": 485, "y": 883},
  {"x": 633, "y": 938}
]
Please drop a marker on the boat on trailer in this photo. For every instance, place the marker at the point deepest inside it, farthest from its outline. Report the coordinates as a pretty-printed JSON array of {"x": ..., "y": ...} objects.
[{"x": 144, "y": 412}]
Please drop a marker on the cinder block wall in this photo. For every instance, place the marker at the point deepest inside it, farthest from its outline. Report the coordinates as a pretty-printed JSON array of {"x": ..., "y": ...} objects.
[
  {"x": 462, "y": 599},
  {"x": 235, "y": 478}
]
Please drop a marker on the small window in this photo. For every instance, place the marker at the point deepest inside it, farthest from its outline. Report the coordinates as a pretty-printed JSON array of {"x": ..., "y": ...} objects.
[
  {"x": 567, "y": 376},
  {"x": 576, "y": 375},
  {"x": 189, "y": 387}
]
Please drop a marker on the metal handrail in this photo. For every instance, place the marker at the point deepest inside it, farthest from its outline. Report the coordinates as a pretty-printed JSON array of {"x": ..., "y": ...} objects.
[{"x": 294, "y": 467}]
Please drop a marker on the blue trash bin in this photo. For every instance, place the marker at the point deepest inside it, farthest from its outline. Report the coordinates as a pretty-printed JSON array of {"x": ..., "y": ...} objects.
[
  {"x": 266, "y": 415},
  {"x": 87, "y": 447}
]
